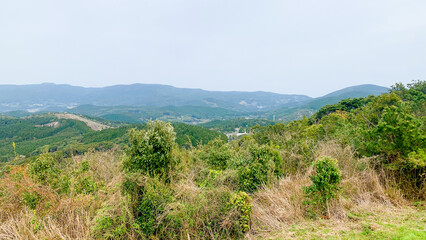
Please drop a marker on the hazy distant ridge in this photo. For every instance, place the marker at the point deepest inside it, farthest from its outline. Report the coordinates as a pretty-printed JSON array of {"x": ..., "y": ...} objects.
[
  {"x": 47, "y": 96},
  {"x": 55, "y": 97}
]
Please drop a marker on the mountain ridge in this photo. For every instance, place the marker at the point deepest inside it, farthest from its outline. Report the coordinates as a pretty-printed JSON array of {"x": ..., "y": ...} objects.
[
  {"x": 47, "y": 95},
  {"x": 145, "y": 101}
]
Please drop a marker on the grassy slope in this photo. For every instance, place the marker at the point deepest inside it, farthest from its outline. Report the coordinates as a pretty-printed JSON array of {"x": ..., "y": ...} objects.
[
  {"x": 277, "y": 209},
  {"x": 393, "y": 223}
]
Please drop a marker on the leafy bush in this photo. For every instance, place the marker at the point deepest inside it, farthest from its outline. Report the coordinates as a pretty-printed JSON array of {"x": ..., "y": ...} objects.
[
  {"x": 149, "y": 196},
  {"x": 251, "y": 176},
  {"x": 399, "y": 132},
  {"x": 43, "y": 168},
  {"x": 147, "y": 164},
  {"x": 217, "y": 154},
  {"x": 268, "y": 155},
  {"x": 31, "y": 199},
  {"x": 115, "y": 222},
  {"x": 325, "y": 184},
  {"x": 242, "y": 203},
  {"x": 85, "y": 185},
  {"x": 150, "y": 150},
  {"x": 263, "y": 165}
]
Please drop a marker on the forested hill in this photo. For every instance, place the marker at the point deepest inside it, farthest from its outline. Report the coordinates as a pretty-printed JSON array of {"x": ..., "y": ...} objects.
[
  {"x": 35, "y": 134},
  {"x": 308, "y": 108},
  {"x": 53, "y": 97},
  {"x": 49, "y": 96}
]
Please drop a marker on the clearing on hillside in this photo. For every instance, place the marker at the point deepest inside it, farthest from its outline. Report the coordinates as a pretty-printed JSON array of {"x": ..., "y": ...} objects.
[{"x": 92, "y": 124}]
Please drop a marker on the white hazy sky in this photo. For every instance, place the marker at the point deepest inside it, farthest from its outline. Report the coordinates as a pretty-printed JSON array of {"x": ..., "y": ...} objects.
[{"x": 308, "y": 47}]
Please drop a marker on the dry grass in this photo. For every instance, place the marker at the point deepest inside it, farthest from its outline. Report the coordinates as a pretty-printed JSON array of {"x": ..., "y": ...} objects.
[
  {"x": 277, "y": 212},
  {"x": 366, "y": 223},
  {"x": 281, "y": 206},
  {"x": 57, "y": 216}
]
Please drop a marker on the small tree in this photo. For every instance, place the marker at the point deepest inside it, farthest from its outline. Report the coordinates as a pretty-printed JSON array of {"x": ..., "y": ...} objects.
[
  {"x": 147, "y": 165},
  {"x": 325, "y": 184},
  {"x": 150, "y": 150}
]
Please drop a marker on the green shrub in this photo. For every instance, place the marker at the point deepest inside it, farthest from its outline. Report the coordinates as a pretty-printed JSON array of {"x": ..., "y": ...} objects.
[
  {"x": 209, "y": 213},
  {"x": 242, "y": 203},
  {"x": 210, "y": 179},
  {"x": 263, "y": 166},
  {"x": 268, "y": 155},
  {"x": 399, "y": 132},
  {"x": 217, "y": 154},
  {"x": 325, "y": 185},
  {"x": 31, "y": 199},
  {"x": 85, "y": 185},
  {"x": 115, "y": 222},
  {"x": 149, "y": 196},
  {"x": 150, "y": 150},
  {"x": 418, "y": 158},
  {"x": 84, "y": 167},
  {"x": 251, "y": 176},
  {"x": 43, "y": 168},
  {"x": 63, "y": 185}
]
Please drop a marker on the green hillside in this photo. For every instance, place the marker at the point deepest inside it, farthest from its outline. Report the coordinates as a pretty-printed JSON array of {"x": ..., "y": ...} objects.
[
  {"x": 243, "y": 124},
  {"x": 74, "y": 137},
  {"x": 185, "y": 114},
  {"x": 54, "y": 97},
  {"x": 310, "y": 107},
  {"x": 354, "y": 170}
]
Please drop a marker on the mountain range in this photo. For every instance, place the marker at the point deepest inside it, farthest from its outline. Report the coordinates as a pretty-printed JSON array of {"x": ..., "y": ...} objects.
[
  {"x": 140, "y": 102},
  {"x": 47, "y": 96}
]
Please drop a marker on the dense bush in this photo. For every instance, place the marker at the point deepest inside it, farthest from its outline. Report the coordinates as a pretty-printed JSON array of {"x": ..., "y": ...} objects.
[
  {"x": 325, "y": 185},
  {"x": 150, "y": 150},
  {"x": 242, "y": 203},
  {"x": 44, "y": 168},
  {"x": 217, "y": 154}
]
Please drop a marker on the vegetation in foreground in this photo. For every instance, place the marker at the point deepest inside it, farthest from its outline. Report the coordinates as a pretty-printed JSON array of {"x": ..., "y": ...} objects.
[{"x": 354, "y": 170}]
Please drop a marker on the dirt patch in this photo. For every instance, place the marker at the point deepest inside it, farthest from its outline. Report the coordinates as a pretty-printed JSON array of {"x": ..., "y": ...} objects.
[
  {"x": 52, "y": 124},
  {"x": 92, "y": 124}
]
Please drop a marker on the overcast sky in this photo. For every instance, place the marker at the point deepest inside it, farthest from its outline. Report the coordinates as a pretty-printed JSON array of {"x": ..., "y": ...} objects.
[{"x": 307, "y": 47}]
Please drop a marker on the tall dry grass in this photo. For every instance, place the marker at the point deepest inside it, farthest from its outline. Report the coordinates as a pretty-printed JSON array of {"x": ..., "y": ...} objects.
[
  {"x": 362, "y": 189},
  {"x": 274, "y": 207},
  {"x": 57, "y": 216}
]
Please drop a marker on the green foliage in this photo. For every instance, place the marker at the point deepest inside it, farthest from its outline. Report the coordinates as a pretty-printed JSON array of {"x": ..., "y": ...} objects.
[
  {"x": 85, "y": 185},
  {"x": 43, "y": 168},
  {"x": 298, "y": 138},
  {"x": 252, "y": 176},
  {"x": 414, "y": 93},
  {"x": 399, "y": 132},
  {"x": 113, "y": 227},
  {"x": 73, "y": 137},
  {"x": 268, "y": 155},
  {"x": 325, "y": 184},
  {"x": 242, "y": 202},
  {"x": 217, "y": 154},
  {"x": 418, "y": 158},
  {"x": 149, "y": 154},
  {"x": 148, "y": 196},
  {"x": 31, "y": 199},
  {"x": 190, "y": 135},
  {"x": 263, "y": 164},
  {"x": 242, "y": 124},
  {"x": 151, "y": 205},
  {"x": 150, "y": 150},
  {"x": 346, "y": 105}
]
